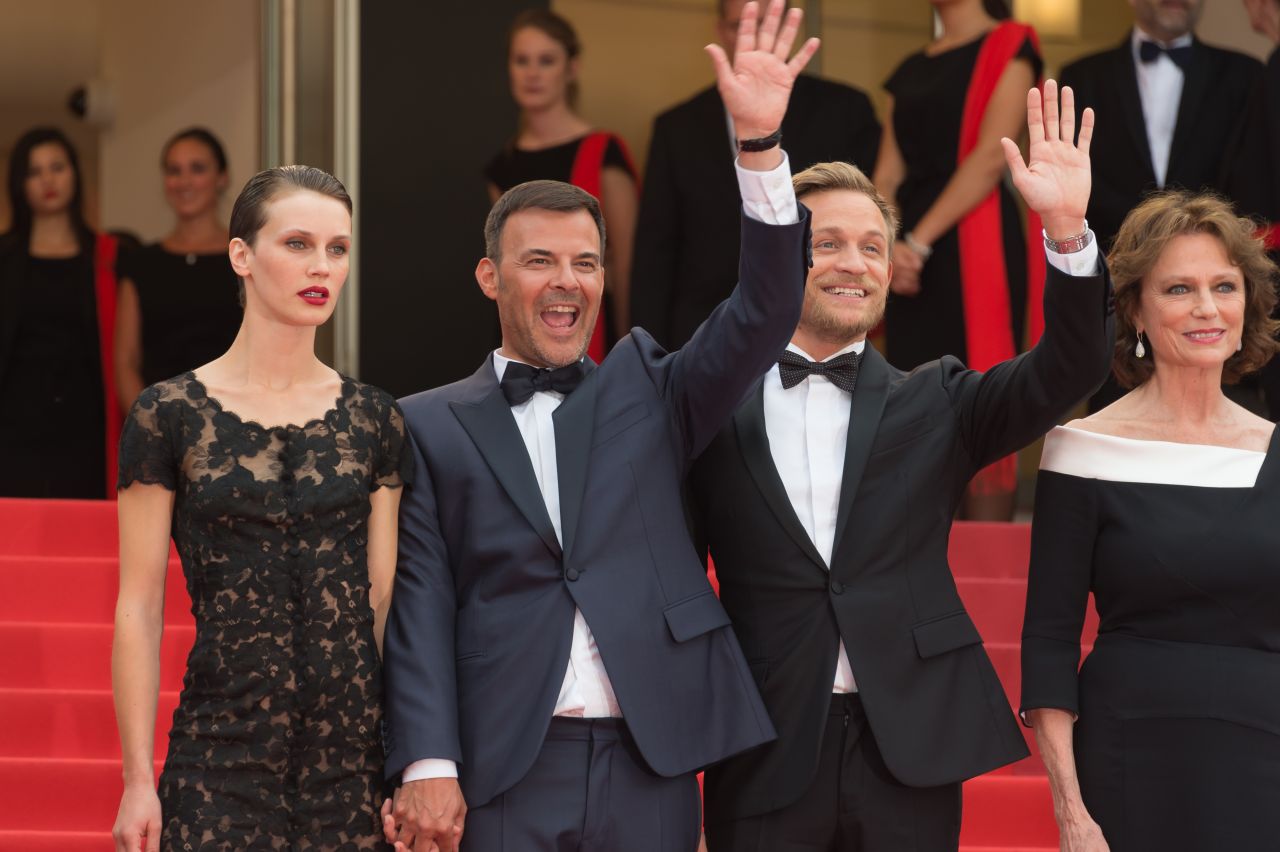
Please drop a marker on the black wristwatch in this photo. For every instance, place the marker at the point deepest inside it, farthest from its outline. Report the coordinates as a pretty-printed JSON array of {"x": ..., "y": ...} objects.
[{"x": 764, "y": 143}]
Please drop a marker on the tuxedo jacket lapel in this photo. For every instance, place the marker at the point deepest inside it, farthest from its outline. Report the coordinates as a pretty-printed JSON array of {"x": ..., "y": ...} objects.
[
  {"x": 574, "y": 421},
  {"x": 754, "y": 443},
  {"x": 1195, "y": 87},
  {"x": 867, "y": 403},
  {"x": 487, "y": 419}
]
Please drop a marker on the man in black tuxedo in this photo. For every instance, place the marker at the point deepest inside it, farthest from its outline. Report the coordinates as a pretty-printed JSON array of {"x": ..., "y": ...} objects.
[
  {"x": 1171, "y": 111},
  {"x": 686, "y": 250},
  {"x": 553, "y": 640},
  {"x": 827, "y": 504}
]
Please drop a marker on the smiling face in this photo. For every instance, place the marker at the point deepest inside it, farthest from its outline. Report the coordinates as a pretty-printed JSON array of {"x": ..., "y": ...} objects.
[
  {"x": 297, "y": 264},
  {"x": 845, "y": 293},
  {"x": 51, "y": 181},
  {"x": 540, "y": 69},
  {"x": 1192, "y": 305},
  {"x": 547, "y": 283},
  {"x": 1167, "y": 19},
  {"x": 192, "y": 179}
]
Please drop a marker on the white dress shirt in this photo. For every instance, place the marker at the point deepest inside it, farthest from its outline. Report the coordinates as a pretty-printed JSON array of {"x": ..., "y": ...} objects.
[
  {"x": 586, "y": 691},
  {"x": 1160, "y": 89}
]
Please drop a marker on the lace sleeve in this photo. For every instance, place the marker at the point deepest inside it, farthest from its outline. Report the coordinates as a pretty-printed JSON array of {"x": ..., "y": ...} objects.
[
  {"x": 146, "y": 445},
  {"x": 394, "y": 464}
]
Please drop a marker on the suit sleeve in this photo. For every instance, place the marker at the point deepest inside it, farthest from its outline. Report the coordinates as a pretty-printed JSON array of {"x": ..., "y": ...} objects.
[
  {"x": 1062, "y": 541},
  {"x": 1015, "y": 402},
  {"x": 708, "y": 377},
  {"x": 658, "y": 229},
  {"x": 421, "y": 688}
]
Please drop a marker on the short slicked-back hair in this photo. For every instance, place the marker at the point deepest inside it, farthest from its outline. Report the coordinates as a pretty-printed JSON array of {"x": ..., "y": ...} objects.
[
  {"x": 552, "y": 195},
  {"x": 825, "y": 177}
]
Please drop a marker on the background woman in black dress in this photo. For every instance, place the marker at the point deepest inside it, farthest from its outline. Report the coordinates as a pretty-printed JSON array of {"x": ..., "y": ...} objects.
[
  {"x": 59, "y": 419},
  {"x": 178, "y": 304},
  {"x": 555, "y": 143},
  {"x": 1164, "y": 505},
  {"x": 278, "y": 480},
  {"x": 919, "y": 168}
]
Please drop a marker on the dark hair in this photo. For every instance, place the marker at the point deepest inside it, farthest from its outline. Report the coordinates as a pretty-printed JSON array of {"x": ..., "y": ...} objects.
[
  {"x": 19, "y": 164},
  {"x": 997, "y": 9},
  {"x": 1145, "y": 234},
  {"x": 249, "y": 213},
  {"x": 537, "y": 195},
  {"x": 204, "y": 137},
  {"x": 557, "y": 29}
]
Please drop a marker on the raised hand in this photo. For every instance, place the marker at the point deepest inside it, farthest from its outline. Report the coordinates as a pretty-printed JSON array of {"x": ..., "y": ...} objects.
[
  {"x": 1055, "y": 181},
  {"x": 757, "y": 85}
]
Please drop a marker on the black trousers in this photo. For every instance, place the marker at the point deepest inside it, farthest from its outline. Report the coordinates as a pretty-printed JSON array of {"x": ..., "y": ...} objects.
[
  {"x": 589, "y": 790},
  {"x": 853, "y": 804}
]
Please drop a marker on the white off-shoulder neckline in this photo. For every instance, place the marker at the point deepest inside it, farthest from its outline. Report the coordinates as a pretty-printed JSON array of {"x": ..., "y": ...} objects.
[{"x": 1092, "y": 455}]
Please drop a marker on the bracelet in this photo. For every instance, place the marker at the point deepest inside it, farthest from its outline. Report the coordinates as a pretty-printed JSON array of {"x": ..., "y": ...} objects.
[
  {"x": 764, "y": 143},
  {"x": 916, "y": 246},
  {"x": 1070, "y": 245}
]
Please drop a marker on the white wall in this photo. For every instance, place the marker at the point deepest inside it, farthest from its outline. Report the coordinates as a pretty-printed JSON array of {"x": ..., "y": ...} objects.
[{"x": 172, "y": 64}]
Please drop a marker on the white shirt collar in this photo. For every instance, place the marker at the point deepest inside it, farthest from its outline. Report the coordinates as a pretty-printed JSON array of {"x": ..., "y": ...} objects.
[
  {"x": 1140, "y": 35},
  {"x": 852, "y": 347}
]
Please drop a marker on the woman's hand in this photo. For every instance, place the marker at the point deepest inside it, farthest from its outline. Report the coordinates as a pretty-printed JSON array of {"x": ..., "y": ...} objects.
[
  {"x": 757, "y": 84},
  {"x": 137, "y": 827},
  {"x": 1081, "y": 835},
  {"x": 907, "y": 266},
  {"x": 1055, "y": 181}
]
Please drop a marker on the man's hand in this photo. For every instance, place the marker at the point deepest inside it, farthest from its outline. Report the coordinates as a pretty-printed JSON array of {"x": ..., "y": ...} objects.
[
  {"x": 425, "y": 816},
  {"x": 1055, "y": 180},
  {"x": 757, "y": 85}
]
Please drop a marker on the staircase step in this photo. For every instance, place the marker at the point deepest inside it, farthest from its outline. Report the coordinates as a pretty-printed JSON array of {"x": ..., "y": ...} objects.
[
  {"x": 1008, "y": 811},
  {"x": 94, "y": 581},
  {"x": 67, "y": 841},
  {"x": 992, "y": 550},
  {"x": 45, "y": 655},
  {"x": 70, "y": 723},
  {"x": 77, "y": 795},
  {"x": 58, "y": 527}
]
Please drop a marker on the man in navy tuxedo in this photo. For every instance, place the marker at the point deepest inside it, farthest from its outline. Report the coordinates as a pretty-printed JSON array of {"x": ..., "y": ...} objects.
[{"x": 557, "y": 665}]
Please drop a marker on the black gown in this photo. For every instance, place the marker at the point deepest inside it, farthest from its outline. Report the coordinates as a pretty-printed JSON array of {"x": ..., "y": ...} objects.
[
  {"x": 276, "y": 739},
  {"x": 1178, "y": 740},
  {"x": 512, "y": 165},
  {"x": 189, "y": 305},
  {"x": 928, "y": 109},
  {"x": 52, "y": 423}
]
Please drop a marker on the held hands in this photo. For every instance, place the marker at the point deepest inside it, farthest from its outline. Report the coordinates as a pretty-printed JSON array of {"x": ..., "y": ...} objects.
[
  {"x": 757, "y": 85},
  {"x": 426, "y": 816},
  {"x": 1055, "y": 180},
  {"x": 137, "y": 827}
]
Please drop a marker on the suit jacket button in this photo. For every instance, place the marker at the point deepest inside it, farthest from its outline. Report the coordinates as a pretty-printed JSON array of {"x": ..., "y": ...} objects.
[
  {"x": 571, "y": 574},
  {"x": 837, "y": 588}
]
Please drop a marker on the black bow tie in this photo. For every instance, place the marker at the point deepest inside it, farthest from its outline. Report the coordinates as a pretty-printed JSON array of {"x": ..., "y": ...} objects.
[
  {"x": 842, "y": 370},
  {"x": 1149, "y": 51},
  {"x": 521, "y": 381}
]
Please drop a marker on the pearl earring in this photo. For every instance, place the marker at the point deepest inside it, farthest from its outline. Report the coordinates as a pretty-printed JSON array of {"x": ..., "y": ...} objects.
[
  {"x": 1140, "y": 350},
  {"x": 1239, "y": 344}
]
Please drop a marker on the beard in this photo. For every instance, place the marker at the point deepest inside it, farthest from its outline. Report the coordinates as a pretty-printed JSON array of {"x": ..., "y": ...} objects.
[
  {"x": 834, "y": 326},
  {"x": 522, "y": 329}
]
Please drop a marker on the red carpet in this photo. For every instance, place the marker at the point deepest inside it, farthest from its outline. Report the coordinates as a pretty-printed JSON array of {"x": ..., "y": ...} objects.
[{"x": 59, "y": 754}]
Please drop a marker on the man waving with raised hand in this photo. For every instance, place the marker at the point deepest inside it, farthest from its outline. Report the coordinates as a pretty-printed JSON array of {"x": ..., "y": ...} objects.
[{"x": 557, "y": 665}]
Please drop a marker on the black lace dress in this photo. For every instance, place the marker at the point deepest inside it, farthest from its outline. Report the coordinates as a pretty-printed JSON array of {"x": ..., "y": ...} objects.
[{"x": 275, "y": 743}]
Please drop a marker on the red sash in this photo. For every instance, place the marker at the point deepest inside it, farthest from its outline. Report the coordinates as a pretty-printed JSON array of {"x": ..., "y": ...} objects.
[
  {"x": 104, "y": 285},
  {"x": 587, "y": 166},
  {"x": 1270, "y": 235},
  {"x": 983, "y": 276}
]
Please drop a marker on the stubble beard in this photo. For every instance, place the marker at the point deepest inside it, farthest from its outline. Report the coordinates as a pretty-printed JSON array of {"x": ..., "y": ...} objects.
[{"x": 828, "y": 325}]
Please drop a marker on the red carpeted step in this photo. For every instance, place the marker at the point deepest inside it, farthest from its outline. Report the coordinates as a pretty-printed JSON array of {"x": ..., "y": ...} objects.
[
  {"x": 990, "y": 550},
  {"x": 70, "y": 795},
  {"x": 69, "y": 723},
  {"x": 44, "y": 655},
  {"x": 58, "y": 527},
  {"x": 1008, "y": 811},
  {"x": 87, "y": 587},
  {"x": 66, "y": 841},
  {"x": 995, "y": 604}
]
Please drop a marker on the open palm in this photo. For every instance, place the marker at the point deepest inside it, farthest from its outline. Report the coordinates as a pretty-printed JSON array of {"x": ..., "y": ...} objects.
[
  {"x": 1055, "y": 181},
  {"x": 757, "y": 84}
]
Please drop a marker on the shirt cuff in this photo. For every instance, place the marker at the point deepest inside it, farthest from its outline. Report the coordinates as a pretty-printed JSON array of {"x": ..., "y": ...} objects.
[
  {"x": 432, "y": 767},
  {"x": 768, "y": 197},
  {"x": 1083, "y": 263}
]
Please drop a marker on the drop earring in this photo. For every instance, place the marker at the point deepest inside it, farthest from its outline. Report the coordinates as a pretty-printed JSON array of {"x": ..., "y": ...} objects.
[
  {"x": 1140, "y": 350},
  {"x": 1240, "y": 344}
]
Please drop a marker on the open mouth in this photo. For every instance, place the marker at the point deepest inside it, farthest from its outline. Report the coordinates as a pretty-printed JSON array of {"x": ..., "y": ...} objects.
[
  {"x": 315, "y": 295},
  {"x": 560, "y": 317},
  {"x": 1205, "y": 335},
  {"x": 846, "y": 291}
]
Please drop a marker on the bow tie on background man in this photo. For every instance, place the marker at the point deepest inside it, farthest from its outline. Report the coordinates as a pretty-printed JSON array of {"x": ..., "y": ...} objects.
[
  {"x": 1149, "y": 51},
  {"x": 842, "y": 370},
  {"x": 521, "y": 381}
]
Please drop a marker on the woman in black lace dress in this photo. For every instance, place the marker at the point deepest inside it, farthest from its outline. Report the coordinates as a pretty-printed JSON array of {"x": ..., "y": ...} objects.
[{"x": 278, "y": 480}]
